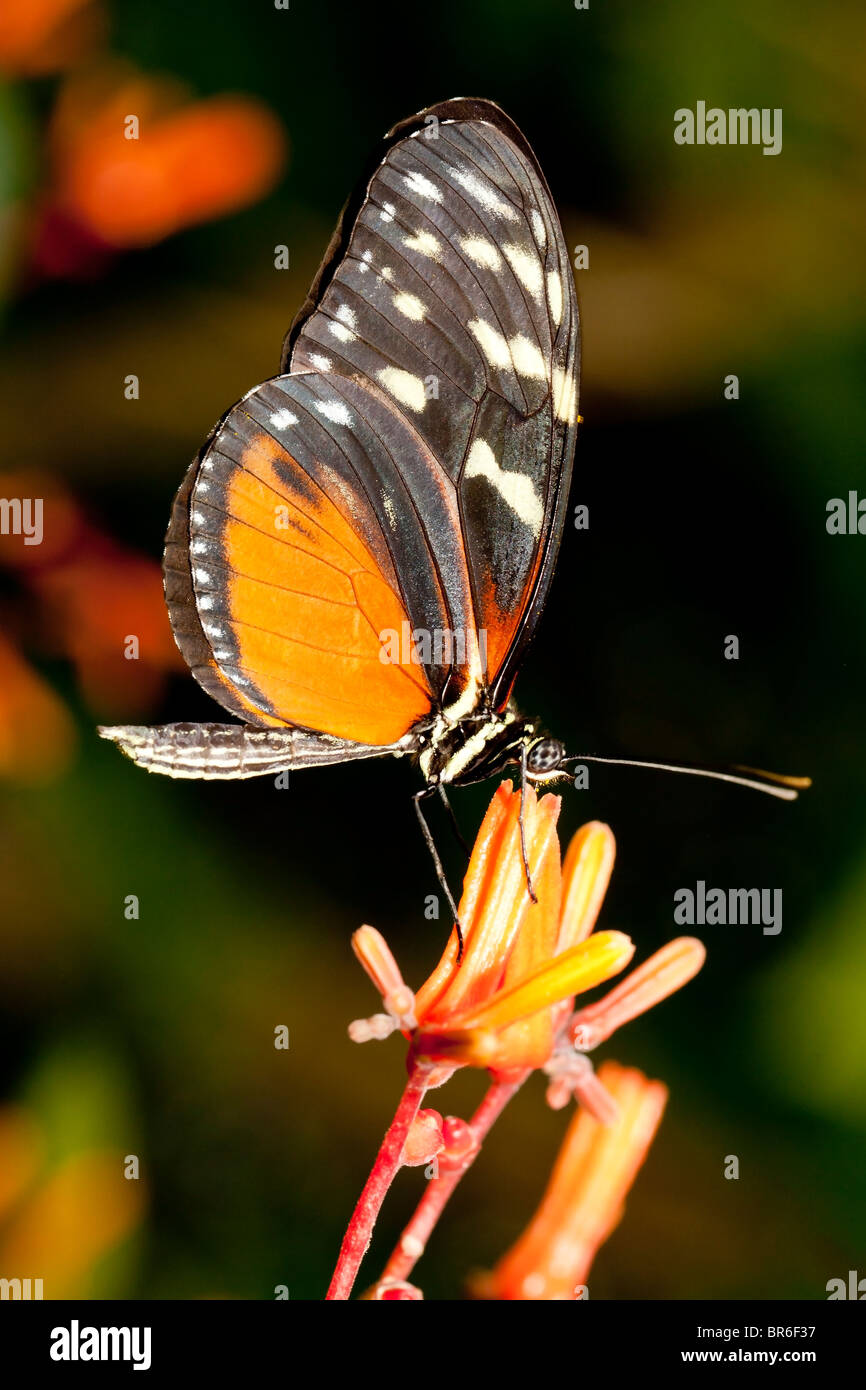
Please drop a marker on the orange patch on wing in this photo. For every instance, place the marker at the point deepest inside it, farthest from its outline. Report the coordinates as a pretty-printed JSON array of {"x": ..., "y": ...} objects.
[
  {"x": 499, "y": 624},
  {"x": 308, "y": 605}
]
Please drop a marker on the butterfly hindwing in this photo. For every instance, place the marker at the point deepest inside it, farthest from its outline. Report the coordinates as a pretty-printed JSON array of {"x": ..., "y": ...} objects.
[{"x": 306, "y": 559}]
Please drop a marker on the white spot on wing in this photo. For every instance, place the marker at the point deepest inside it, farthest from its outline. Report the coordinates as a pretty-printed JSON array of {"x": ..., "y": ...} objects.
[
  {"x": 515, "y": 489},
  {"x": 564, "y": 395},
  {"x": 518, "y": 353},
  {"x": 527, "y": 358},
  {"x": 387, "y": 212},
  {"x": 407, "y": 389},
  {"x": 410, "y": 305},
  {"x": 336, "y": 411},
  {"x": 418, "y": 184},
  {"x": 424, "y": 243},
  {"x": 283, "y": 419},
  {"x": 322, "y": 364},
  {"x": 344, "y": 325},
  {"x": 492, "y": 343},
  {"x": 482, "y": 252},
  {"x": 554, "y": 296},
  {"x": 484, "y": 192},
  {"x": 538, "y": 228},
  {"x": 527, "y": 268}
]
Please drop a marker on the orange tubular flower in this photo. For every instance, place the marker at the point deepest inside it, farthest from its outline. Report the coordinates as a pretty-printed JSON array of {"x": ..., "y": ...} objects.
[
  {"x": 666, "y": 971},
  {"x": 500, "y": 1006},
  {"x": 505, "y": 1003},
  {"x": 37, "y": 735},
  {"x": 596, "y": 1167},
  {"x": 189, "y": 161},
  {"x": 42, "y": 36},
  {"x": 91, "y": 596}
]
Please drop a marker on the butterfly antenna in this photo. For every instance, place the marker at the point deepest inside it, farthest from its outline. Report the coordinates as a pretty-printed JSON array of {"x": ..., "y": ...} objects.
[{"x": 773, "y": 783}]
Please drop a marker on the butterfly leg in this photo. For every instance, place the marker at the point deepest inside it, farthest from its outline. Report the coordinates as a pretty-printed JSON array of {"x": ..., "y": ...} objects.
[
  {"x": 458, "y": 834},
  {"x": 437, "y": 864},
  {"x": 532, "y": 893}
]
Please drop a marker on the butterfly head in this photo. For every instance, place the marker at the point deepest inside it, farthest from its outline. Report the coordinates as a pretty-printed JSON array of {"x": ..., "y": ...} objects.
[{"x": 544, "y": 758}]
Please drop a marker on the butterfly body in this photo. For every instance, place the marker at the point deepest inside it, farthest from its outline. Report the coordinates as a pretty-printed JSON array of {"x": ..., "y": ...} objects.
[{"x": 470, "y": 749}]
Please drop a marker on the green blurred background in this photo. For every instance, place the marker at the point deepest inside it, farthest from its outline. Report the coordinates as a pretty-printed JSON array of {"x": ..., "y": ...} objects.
[{"x": 154, "y": 1036}]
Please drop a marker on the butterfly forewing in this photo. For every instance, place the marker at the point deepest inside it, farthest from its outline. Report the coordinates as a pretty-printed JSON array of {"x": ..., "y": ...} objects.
[{"x": 452, "y": 293}]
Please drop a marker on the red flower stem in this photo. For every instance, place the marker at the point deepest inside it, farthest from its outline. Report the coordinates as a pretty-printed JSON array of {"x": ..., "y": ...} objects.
[
  {"x": 413, "y": 1241},
  {"x": 357, "y": 1239}
]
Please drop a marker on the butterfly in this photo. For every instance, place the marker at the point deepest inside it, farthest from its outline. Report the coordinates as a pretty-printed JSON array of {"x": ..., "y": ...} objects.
[{"x": 359, "y": 555}]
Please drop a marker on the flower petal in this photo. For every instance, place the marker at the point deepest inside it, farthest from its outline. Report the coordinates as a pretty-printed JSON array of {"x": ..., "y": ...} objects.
[
  {"x": 529, "y": 1042},
  {"x": 585, "y": 876},
  {"x": 584, "y": 966},
  {"x": 485, "y": 853},
  {"x": 584, "y": 1199},
  {"x": 665, "y": 971},
  {"x": 496, "y": 906}
]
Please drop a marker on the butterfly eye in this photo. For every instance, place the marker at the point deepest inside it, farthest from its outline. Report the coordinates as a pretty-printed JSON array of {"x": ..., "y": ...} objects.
[{"x": 545, "y": 755}]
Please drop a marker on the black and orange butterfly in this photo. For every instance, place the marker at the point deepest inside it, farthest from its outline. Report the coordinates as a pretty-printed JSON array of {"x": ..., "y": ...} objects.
[{"x": 360, "y": 553}]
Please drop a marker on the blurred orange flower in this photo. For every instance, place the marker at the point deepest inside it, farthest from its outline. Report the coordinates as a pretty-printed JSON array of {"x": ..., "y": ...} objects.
[
  {"x": 21, "y": 1148},
  {"x": 135, "y": 160},
  {"x": 44, "y": 36},
  {"x": 583, "y": 1203},
  {"x": 105, "y": 609},
  {"x": 60, "y": 1222},
  {"x": 97, "y": 603},
  {"x": 37, "y": 735}
]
